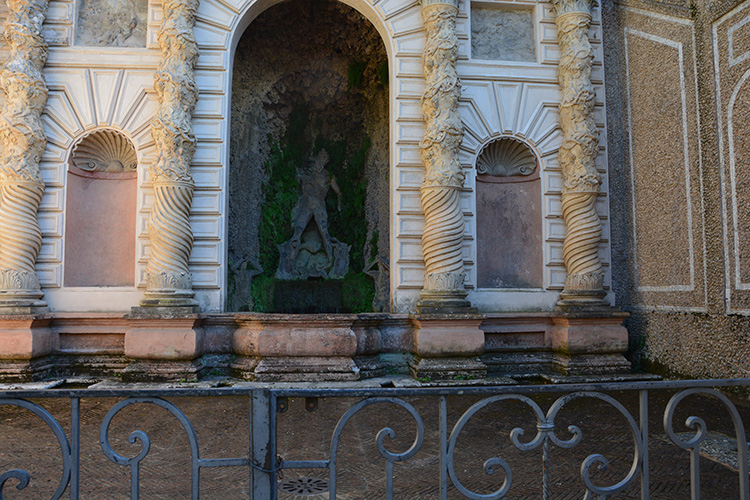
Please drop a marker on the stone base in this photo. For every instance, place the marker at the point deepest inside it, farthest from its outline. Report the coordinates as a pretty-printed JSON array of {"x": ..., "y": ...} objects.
[
  {"x": 22, "y": 301},
  {"x": 10, "y": 308},
  {"x": 243, "y": 367},
  {"x": 589, "y": 342},
  {"x": 444, "y": 302},
  {"x": 370, "y": 366},
  {"x": 307, "y": 369},
  {"x": 89, "y": 366},
  {"x": 163, "y": 371},
  {"x": 446, "y": 335},
  {"x": 164, "y": 311},
  {"x": 591, "y": 364},
  {"x": 447, "y": 369},
  {"x": 518, "y": 363},
  {"x": 25, "y": 336},
  {"x": 164, "y": 337},
  {"x": 30, "y": 370}
]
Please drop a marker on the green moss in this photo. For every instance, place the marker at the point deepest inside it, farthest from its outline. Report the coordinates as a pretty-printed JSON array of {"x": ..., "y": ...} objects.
[
  {"x": 280, "y": 195},
  {"x": 357, "y": 292},
  {"x": 355, "y": 73},
  {"x": 382, "y": 73},
  {"x": 349, "y": 225}
]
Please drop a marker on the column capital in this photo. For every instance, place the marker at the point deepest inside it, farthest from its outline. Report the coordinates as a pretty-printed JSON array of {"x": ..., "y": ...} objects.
[
  {"x": 445, "y": 3},
  {"x": 563, "y": 7}
]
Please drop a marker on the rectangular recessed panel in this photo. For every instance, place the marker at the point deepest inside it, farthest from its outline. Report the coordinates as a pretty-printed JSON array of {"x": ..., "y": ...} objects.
[{"x": 659, "y": 162}]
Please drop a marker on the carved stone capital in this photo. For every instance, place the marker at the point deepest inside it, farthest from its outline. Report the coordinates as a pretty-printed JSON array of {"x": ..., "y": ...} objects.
[
  {"x": 443, "y": 4},
  {"x": 563, "y": 7}
]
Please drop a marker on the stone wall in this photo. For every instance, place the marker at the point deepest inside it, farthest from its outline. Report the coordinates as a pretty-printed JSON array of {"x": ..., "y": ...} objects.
[{"x": 678, "y": 105}]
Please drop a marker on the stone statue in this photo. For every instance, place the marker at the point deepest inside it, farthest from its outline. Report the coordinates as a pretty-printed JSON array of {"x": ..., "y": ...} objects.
[{"x": 311, "y": 252}]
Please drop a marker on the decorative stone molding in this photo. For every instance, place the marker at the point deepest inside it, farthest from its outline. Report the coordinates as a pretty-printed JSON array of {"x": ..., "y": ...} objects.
[
  {"x": 105, "y": 151},
  {"x": 581, "y": 181},
  {"x": 23, "y": 142},
  {"x": 506, "y": 157},
  {"x": 442, "y": 240},
  {"x": 169, "y": 282}
]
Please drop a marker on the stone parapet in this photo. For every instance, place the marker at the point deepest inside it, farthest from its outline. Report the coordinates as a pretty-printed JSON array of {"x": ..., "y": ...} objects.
[{"x": 296, "y": 348}]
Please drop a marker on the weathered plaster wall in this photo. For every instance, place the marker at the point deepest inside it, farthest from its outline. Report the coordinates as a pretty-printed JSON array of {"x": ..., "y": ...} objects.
[{"x": 677, "y": 111}]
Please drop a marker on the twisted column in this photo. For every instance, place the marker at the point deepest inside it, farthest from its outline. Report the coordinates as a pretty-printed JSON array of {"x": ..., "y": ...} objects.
[
  {"x": 169, "y": 281},
  {"x": 23, "y": 141},
  {"x": 442, "y": 240},
  {"x": 581, "y": 181}
]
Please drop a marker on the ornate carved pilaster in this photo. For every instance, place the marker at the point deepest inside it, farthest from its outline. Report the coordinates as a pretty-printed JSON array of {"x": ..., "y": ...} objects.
[
  {"x": 169, "y": 280},
  {"x": 442, "y": 240},
  {"x": 581, "y": 181},
  {"x": 22, "y": 143}
]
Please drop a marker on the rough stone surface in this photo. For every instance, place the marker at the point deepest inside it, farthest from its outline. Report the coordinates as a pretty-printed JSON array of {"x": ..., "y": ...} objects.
[
  {"x": 112, "y": 24},
  {"x": 502, "y": 33},
  {"x": 699, "y": 330}
]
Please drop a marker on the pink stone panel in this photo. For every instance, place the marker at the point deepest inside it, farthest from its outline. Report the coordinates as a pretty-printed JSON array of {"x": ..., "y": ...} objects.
[
  {"x": 100, "y": 229},
  {"x": 509, "y": 233}
]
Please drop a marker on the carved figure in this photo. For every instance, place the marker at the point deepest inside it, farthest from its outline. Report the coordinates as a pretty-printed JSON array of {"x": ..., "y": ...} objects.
[
  {"x": 315, "y": 182},
  {"x": 442, "y": 239},
  {"x": 581, "y": 181},
  {"x": 23, "y": 142},
  {"x": 169, "y": 281},
  {"x": 312, "y": 253}
]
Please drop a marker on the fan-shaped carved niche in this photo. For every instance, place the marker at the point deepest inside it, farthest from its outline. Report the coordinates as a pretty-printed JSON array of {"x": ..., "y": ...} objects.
[
  {"x": 100, "y": 212},
  {"x": 105, "y": 151},
  {"x": 507, "y": 159},
  {"x": 509, "y": 216}
]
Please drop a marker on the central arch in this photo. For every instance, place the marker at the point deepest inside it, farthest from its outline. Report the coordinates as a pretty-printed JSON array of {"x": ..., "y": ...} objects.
[{"x": 306, "y": 77}]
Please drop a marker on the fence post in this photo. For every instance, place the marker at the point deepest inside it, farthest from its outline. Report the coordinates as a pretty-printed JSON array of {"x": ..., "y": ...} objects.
[{"x": 262, "y": 445}]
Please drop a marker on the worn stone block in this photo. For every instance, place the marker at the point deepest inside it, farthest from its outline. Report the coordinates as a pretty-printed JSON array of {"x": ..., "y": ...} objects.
[{"x": 164, "y": 338}]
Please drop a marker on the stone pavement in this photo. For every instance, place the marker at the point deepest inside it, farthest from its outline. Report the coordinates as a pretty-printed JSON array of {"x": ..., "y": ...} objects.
[{"x": 221, "y": 425}]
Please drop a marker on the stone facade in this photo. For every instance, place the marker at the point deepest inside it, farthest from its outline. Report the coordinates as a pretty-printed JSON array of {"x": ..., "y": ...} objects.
[{"x": 451, "y": 98}]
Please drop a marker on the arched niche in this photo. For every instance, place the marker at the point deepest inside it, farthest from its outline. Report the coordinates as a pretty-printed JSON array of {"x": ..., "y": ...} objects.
[
  {"x": 308, "y": 76},
  {"x": 509, "y": 216},
  {"x": 100, "y": 212}
]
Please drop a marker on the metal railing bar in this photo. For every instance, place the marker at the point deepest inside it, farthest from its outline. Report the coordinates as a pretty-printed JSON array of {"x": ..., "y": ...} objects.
[
  {"x": 305, "y": 464},
  {"x": 371, "y": 392},
  {"x": 75, "y": 447},
  {"x": 223, "y": 462},
  {"x": 643, "y": 409},
  {"x": 510, "y": 389},
  {"x": 443, "y": 448}
]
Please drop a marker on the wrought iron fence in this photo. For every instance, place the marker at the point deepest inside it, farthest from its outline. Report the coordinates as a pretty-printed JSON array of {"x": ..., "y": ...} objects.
[{"x": 264, "y": 464}]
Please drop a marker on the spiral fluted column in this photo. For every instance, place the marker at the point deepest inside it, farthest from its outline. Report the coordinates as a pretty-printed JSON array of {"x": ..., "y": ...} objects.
[
  {"x": 581, "y": 181},
  {"x": 169, "y": 280},
  {"x": 442, "y": 240},
  {"x": 23, "y": 142}
]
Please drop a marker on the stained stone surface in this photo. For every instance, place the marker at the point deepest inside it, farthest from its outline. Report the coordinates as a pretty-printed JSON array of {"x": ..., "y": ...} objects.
[
  {"x": 509, "y": 235},
  {"x": 502, "y": 33},
  {"x": 113, "y": 24}
]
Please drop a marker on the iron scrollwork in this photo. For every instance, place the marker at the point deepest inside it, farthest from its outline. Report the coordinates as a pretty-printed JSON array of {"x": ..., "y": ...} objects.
[
  {"x": 546, "y": 435},
  {"x": 22, "y": 476}
]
